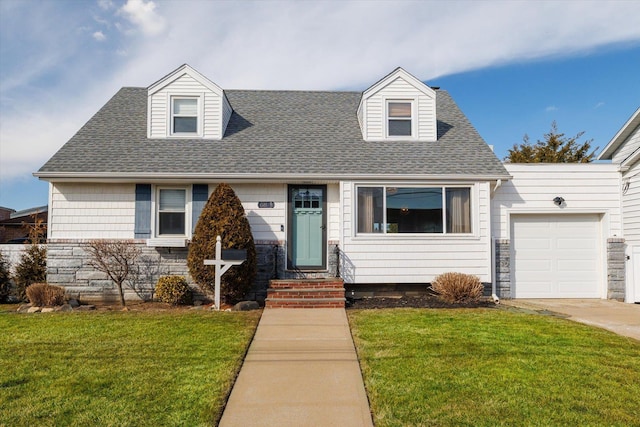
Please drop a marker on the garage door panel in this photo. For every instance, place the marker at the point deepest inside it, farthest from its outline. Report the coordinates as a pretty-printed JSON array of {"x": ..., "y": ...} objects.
[
  {"x": 576, "y": 266},
  {"x": 556, "y": 256},
  {"x": 576, "y": 243}
]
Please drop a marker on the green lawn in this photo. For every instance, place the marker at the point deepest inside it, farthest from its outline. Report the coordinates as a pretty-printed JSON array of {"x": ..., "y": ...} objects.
[
  {"x": 488, "y": 367},
  {"x": 119, "y": 368}
]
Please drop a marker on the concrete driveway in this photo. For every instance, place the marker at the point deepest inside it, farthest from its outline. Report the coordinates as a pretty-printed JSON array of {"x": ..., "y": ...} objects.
[{"x": 618, "y": 317}]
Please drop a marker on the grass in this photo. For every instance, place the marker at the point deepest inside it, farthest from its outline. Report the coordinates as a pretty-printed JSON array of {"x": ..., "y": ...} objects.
[
  {"x": 119, "y": 368},
  {"x": 490, "y": 367}
]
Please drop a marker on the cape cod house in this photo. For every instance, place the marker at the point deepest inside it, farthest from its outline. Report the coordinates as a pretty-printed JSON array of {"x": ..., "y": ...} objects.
[{"x": 386, "y": 188}]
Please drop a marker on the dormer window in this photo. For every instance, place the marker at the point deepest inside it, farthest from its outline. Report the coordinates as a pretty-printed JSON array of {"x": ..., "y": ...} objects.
[
  {"x": 184, "y": 116},
  {"x": 399, "y": 118}
]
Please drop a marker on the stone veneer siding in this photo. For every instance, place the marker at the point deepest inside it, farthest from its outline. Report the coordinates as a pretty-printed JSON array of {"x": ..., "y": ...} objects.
[
  {"x": 503, "y": 268},
  {"x": 616, "y": 261},
  {"x": 68, "y": 266},
  {"x": 615, "y": 268}
]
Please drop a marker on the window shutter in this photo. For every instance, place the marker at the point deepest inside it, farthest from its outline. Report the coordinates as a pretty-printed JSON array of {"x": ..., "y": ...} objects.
[
  {"x": 198, "y": 200},
  {"x": 143, "y": 211}
]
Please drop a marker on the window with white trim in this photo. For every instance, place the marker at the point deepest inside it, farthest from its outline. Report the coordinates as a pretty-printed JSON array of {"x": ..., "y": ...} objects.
[
  {"x": 416, "y": 210},
  {"x": 184, "y": 115},
  {"x": 172, "y": 213},
  {"x": 399, "y": 118}
]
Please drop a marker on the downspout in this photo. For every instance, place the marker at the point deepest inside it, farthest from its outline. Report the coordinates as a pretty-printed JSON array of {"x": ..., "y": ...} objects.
[{"x": 494, "y": 294}]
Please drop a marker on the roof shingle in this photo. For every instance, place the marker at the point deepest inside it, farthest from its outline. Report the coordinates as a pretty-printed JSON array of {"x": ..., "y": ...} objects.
[{"x": 273, "y": 132}]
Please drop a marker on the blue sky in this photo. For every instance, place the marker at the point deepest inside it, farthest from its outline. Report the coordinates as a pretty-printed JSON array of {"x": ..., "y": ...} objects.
[{"x": 513, "y": 67}]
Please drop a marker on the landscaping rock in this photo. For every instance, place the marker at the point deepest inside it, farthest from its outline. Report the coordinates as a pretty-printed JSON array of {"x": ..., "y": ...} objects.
[
  {"x": 197, "y": 302},
  {"x": 246, "y": 306},
  {"x": 64, "y": 308},
  {"x": 47, "y": 310},
  {"x": 87, "y": 307},
  {"x": 34, "y": 309},
  {"x": 74, "y": 303},
  {"x": 197, "y": 307}
]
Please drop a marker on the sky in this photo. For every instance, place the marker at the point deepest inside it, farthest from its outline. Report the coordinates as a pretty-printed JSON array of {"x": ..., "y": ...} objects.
[{"x": 513, "y": 67}]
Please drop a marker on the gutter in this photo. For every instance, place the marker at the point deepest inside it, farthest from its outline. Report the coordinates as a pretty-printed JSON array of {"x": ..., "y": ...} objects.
[{"x": 249, "y": 177}]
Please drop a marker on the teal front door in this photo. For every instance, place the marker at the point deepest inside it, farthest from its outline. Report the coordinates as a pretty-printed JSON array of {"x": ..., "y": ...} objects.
[{"x": 307, "y": 231}]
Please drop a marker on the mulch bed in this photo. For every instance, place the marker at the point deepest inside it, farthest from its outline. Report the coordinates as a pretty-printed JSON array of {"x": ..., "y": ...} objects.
[{"x": 421, "y": 301}]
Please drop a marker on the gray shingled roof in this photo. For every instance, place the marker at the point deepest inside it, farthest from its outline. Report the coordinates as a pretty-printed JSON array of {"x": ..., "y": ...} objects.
[{"x": 272, "y": 132}]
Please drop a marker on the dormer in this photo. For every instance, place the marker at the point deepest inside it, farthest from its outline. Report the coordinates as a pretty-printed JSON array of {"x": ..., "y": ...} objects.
[
  {"x": 185, "y": 104},
  {"x": 398, "y": 107}
]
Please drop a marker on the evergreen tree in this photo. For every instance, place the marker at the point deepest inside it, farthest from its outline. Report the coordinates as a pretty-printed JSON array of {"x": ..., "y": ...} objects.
[
  {"x": 5, "y": 279},
  {"x": 32, "y": 267},
  {"x": 555, "y": 148},
  {"x": 223, "y": 215}
]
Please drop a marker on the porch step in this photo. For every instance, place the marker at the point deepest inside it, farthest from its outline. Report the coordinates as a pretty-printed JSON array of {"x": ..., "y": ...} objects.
[{"x": 305, "y": 293}]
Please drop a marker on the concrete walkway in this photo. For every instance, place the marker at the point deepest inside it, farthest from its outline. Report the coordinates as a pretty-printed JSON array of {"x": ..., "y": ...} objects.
[
  {"x": 301, "y": 370},
  {"x": 618, "y": 317}
]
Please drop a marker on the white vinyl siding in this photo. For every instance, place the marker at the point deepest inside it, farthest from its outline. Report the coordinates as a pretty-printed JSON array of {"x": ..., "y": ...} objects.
[
  {"x": 586, "y": 188},
  {"x": 374, "y": 111},
  {"x": 266, "y": 223},
  {"x": 92, "y": 211},
  {"x": 211, "y": 107},
  {"x": 400, "y": 258},
  {"x": 629, "y": 147},
  {"x": 631, "y": 206}
]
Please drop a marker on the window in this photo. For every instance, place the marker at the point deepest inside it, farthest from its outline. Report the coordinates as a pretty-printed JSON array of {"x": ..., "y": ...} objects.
[
  {"x": 399, "y": 118},
  {"x": 436, "y": 210},
  {"x": 171, "y": 212},
  {"x": 184, "y": 115}
]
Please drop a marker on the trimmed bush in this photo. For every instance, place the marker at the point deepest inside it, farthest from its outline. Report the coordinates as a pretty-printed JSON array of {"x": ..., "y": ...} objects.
[
  {"x": 32, "y": 268},
  {"x": 223, "y": 216},
  {"x": 457, "y": 288},
  {"x": 43, "y": 294},
  {"x": 5, "y": 279},
  {"x": 173, "y": 290}
]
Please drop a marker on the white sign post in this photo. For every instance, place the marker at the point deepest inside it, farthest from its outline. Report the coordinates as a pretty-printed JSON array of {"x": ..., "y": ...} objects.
[{"x": 221, "y": 267}]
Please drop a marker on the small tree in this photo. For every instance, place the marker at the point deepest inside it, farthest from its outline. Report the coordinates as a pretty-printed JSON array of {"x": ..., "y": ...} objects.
[
  {"x": 555, "y": 148},
  {"x": 5, "y": 279},
  {"x": 223, "y": 216},
  {"x": 32, "y": 267},
  {"x": 115, "y": 258}
]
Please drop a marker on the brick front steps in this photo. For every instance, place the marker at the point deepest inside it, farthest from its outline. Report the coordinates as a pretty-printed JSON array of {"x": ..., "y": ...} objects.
[{"x": 305, "y": 293}]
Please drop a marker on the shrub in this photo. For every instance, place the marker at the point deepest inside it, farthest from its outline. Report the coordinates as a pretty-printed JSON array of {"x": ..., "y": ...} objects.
[
  {"x": 223, "y": 215},
  {"x": 32, "y": 268},
  {"x": 5, "y": 279},
  {"x": 43, "y": 294},
  {"x": 115, "y": 258},
  {"x": 174, "y": 290},
  {"x": 458, "y": 288}
]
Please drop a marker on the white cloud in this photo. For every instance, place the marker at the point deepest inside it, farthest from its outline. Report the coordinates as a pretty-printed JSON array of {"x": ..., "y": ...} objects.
[
  {"x": 105, "y": 4},
  {"x": 272, "y": 45},
  {"x": 551, "y": 108},
  {"x": 99, "y": 36},
  {"x": 144, "y": 15},
  {"x": 599, "y": 104}
]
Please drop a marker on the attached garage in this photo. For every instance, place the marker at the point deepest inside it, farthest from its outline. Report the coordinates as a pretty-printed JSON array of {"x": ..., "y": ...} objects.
[{"x": 556, "y": 256}]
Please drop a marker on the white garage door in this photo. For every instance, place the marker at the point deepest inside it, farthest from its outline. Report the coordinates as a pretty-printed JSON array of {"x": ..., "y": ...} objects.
[{"x": 556, "y": 256}]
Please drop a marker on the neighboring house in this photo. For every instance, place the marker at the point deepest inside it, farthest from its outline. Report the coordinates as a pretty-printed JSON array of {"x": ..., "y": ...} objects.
[
  {"x": 624, "y": 151},
  {"x": 388, "y": 187},
  {"x": 15, "y": 226}
]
